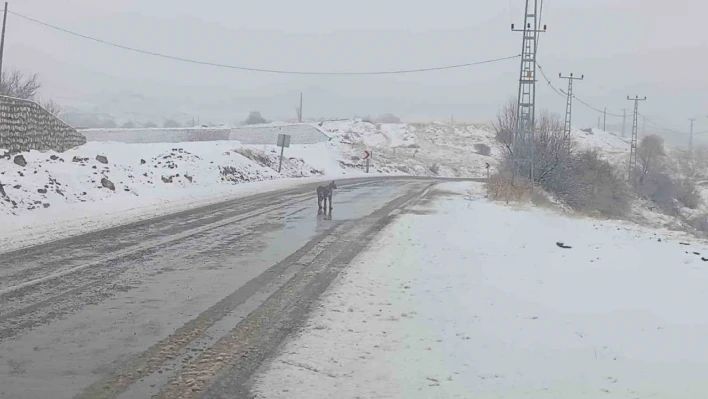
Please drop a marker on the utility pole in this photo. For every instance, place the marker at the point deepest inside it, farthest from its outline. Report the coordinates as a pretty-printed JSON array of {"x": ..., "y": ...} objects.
[
  {"x": 690, "y": 137},
  {"x": 644, "y": 124},
  {"x": 569, "y": 107},
  {"x": 604, "y": 119},
  {"x": 526, "y": 100},
  {"x": 633, "y": 144},
  {"x": 2, "y": 39},
  {"x": 299, "y": 110}
]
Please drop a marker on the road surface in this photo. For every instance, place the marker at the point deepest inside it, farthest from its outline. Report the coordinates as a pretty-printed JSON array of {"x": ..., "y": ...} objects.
[{"x": 185, "y": 305}]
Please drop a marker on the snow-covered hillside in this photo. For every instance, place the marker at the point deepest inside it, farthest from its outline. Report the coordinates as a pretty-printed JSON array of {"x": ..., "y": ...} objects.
[
  {"x": 103, "y": 184},
  {"x": 612, "y": 147},
  {"x": 419, "y": 149},
  {"x": 56, "y": 187}
]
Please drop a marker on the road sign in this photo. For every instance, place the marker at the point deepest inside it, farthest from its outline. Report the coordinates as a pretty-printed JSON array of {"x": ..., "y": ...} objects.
[
  {"x": 283, "y": 140},
  {"x": 486, "y": 165},
  {"x": 368, "y": 154}
]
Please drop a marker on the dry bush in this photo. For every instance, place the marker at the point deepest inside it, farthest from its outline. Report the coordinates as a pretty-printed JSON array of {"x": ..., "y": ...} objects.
[
  {"x": 16, "y": 84},
  {"x": 654, "y": 180},
  {"x": 650, "y": 155},
  {"x": 582, "y": 180},
  {"x": 504, "y": 186},
  {"x": 52, "y": 107},
  {"x": 591, "y": 184},
  {"x": 699, "y": 222},
  {"x": 255, "y": 118},
  {"x": 435, "y": 168},
  {"x": 689, "y": 195}
]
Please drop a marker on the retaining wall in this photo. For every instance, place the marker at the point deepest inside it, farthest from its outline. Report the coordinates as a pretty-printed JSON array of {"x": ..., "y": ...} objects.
[
  {"x": 24, "y": 126},
  {"x": 301, "y": 133}
]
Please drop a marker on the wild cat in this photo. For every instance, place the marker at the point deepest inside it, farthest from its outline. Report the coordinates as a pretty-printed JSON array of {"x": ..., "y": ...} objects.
[{"x": 324, "y": 193}]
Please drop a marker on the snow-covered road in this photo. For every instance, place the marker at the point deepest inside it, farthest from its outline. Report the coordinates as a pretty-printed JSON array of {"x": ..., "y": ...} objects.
[
  {"x": 461, "y": 297},
  {"x": 164, "y": 307}
]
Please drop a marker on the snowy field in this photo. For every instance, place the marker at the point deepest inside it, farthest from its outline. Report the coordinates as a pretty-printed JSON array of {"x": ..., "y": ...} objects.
[
  {"x": 497, "y": 309},
  {"x": 57, "y": 195}
]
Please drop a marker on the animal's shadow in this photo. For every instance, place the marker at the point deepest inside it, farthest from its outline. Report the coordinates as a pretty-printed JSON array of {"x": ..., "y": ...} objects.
[{"x": 322, "y": 214}]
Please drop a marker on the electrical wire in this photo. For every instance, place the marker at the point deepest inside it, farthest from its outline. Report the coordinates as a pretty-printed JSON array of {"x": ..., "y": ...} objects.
[
  {"x": 263, "y": 70},
  {"x": 662, "y": 127},
  {"x": 540, "y": 68}
]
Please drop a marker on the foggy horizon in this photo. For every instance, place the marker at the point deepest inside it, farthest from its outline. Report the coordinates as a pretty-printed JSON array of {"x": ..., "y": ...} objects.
[{"x": 622, "y": 48}]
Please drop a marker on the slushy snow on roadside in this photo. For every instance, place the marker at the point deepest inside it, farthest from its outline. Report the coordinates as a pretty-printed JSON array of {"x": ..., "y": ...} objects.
[{"x": 460, "y": 297}]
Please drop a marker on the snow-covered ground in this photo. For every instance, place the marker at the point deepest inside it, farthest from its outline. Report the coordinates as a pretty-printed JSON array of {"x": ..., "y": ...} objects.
[
  {"x": 434, "y": 149},
  {"x": 60, "y": 194},
  {"x": 613, "y": 147},
  {"x": 498, "y": 309},
  {"x": 64, "y": 193},
  {"x": 57, "y": 195}
]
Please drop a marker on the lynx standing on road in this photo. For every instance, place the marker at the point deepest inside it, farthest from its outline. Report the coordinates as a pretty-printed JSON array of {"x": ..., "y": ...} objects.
[{"x": 324, "y": 193}]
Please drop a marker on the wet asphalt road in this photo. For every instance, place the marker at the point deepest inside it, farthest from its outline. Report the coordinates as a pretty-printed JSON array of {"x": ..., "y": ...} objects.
[{"x": 186, "y": 305}]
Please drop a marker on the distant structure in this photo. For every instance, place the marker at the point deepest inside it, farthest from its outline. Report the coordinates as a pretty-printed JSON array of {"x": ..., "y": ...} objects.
[
  {"x": 633, "y": 143},
  {"x": 569, "y": 107}
]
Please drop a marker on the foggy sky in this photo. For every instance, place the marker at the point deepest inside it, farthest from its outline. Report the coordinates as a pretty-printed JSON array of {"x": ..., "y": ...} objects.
[{"x": 624, "y": 47}]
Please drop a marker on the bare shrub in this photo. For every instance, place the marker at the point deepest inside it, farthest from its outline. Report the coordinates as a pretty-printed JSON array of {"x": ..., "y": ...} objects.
[
  {"x": 150, "y": 125},
  {"x": 650, "y": 155},
  {"x": 504, "y": 187},
  {"x": 128, "y": 125},
  {"x": 699, "y": 222},
  {"x": 505, "y": 126},
  {"x": 581, "y": 180},
  {"x": 654, "y": 180},
  {"x": 16, "y": 84},
  {"x": 255, "y": 118},
  {"x": 689, "y": 195},
  {"x": 482, "y": 149},
  {"x": 591, "y": 184},
  {"x": 543, "y": 150},
  {"x": 435, "y": 168},
  {"x": 51, "y": 106},
  {"x": 171, "y": 123}
]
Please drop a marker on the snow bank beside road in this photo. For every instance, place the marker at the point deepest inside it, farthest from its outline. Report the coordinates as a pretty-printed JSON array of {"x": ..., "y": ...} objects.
[
  {"x": 64, "y": 188},
  {"x": 497, "y": 309},
  {"x": 61, "y": 194}
]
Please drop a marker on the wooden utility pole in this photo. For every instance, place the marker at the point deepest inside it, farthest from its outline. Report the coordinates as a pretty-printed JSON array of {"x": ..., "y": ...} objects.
[
  {"x": 633, "y": 143},
  {"x": 2, "y": 39},
  {"x": 690, "y": 137}
]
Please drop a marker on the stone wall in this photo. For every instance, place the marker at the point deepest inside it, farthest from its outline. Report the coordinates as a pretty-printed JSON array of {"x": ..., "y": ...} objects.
[
  {"x": 157, "y": 135},
  {"x": 24, "y": 126},
  {"x": 301, "y": 133}
]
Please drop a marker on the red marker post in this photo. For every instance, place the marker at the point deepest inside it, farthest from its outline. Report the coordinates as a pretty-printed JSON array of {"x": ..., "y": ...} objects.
[{"x": 367, "y": 157}]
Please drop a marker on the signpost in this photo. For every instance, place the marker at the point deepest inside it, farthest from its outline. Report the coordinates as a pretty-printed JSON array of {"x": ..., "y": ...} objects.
[
  {"x": 283, "y": 141},
  {"x": 368, "y": 158},
  {"x": 486, "y": 166}
]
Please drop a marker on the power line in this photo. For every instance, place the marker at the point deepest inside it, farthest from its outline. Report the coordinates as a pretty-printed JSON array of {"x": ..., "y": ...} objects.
[
  {"x": 559, "y": 92},
  {"x": 263, "y": 70},
  {"x": 663, "y": 127}
]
